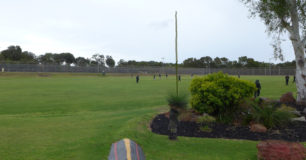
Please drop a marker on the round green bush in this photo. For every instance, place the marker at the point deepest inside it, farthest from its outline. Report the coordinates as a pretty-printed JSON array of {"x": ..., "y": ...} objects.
[{"x": 219, "y": 94}]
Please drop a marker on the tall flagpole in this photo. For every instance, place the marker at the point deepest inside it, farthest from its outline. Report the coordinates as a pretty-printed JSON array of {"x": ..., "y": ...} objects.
[{"x": 176, "y": 68}]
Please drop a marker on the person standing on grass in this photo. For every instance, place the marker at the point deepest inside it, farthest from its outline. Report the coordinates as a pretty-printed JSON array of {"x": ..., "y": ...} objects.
[
  {"x": 258, "y": 88},
  {"x": 287, "y": 80},
  {"x": 179, "y": 77},
  {"x": 238, "y": 75},
  {"x": 154, "y": 76},
  {"x": 166, "y": 75},
  {"x": 293, "y": 79},
  {"x": 159, "y": 76},
  {"x": 137, "y": 78}
]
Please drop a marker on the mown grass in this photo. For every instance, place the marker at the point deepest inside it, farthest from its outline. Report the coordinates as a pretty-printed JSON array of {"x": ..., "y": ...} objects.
[{"x": 79, "y": 116}]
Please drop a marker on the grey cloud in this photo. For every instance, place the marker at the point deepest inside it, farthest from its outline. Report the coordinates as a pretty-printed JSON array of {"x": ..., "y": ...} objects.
[
  {"x": 160, "y": 24},
  {"x": 135, "y": 29}
]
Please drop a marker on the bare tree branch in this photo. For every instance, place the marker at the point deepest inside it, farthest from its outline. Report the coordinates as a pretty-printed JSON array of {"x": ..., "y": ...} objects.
[{"x": 287, "y": 25}]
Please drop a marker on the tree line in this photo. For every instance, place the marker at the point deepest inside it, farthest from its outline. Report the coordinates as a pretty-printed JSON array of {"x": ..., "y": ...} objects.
[
  {"x": 209, "y": 62},
  {"x": 223, "y": 62},
  {"x": 14, "y": 54}
]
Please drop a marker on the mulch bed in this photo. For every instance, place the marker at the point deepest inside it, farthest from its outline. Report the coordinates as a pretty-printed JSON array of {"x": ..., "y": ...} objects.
[{"x": 295, "y": 132}]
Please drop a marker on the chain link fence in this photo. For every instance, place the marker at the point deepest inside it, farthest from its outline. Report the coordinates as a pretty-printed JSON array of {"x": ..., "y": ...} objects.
[{"x": 143, "y": 70}]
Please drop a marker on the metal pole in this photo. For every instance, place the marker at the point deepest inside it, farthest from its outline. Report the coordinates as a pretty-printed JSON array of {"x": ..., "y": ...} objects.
[
  {"x": 176, "y": 68},
  {"x": 163, "y": 67},
  {"x": 270, "y": 70}
]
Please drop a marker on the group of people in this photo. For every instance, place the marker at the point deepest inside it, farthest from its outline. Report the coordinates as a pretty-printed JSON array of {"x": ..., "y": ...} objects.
[
  {"x": 154, "y": 76},
  {"x": 159, "y": 75},
  {"x": 258, "y": 85},
  {"x": 287, "y": 79}
]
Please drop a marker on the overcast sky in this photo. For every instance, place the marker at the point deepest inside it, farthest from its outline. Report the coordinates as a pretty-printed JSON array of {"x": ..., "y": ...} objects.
[{"x": 136, "y": 29}]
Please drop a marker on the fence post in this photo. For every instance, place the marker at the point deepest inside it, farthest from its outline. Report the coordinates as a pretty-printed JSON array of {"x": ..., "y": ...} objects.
[
  {"x": 265, "y": 71},
  {"x": 270, "y": 70}
]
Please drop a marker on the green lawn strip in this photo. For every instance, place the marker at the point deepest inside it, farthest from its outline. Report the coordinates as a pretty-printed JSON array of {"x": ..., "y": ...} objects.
[
  {"x": 56, "y": 137},
  {"x": 159, "y": 147},
  {"x": 72, "y": 117}
]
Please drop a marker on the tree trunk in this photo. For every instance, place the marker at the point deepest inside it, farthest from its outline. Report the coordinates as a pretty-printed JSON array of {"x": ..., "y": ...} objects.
[
  {"x": 300, "y": 73},
  {"x": 173, "y": 123},
  {"x": 299, "y": 50}
]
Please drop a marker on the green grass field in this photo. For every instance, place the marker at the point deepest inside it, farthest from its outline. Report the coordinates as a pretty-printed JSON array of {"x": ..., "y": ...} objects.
[{"x": 79, "y": 116}]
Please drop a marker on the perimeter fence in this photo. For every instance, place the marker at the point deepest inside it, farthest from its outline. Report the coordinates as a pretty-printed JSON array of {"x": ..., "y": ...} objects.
[{"x": 144, "y": 70}]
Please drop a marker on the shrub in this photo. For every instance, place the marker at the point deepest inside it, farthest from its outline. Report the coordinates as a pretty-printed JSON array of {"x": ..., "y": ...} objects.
[
  {"x": 219, "y": 94},
  {"x": 205, "y": 128},
  {"x": 270, "y": 117},
  {"x": 276, "y": 149},
  {"x": 179, "y": 101},
  {"x": 186, "y": 116},
  {"x": 206, "y": 119},
  {"x": 286, "y": 108},
  {"x": 246, "y": 110},
  {"x": 204, "y": 122},
  {"x": 287, "y": 98}
]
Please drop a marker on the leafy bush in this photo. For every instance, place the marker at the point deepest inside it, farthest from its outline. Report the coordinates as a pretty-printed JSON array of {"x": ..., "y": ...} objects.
[
  {"x": 270, "y": 117},
  {"x": 206, "y": 119},
  {"x": 186, "y": 116},
  {"x": 179, "y": 101},
  {"x": 205, "y": 128},
  {"x": 219, "y": 94},
  {"x": 204, "y": 122},
  {"x": 287, "y": 98}
]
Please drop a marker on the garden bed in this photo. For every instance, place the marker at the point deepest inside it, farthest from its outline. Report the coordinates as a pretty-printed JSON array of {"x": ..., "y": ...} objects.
[
  {"x": 293, "y": 132},
  {"x": 299, "y": 108}
]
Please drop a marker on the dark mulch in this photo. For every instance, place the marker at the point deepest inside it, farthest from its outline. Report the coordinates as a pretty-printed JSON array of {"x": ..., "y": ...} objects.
[{"x": 295, "y": 132}]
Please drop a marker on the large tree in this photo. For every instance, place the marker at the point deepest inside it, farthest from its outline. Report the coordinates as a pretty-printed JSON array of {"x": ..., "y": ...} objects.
[
  {"x": 286, "y": 16},
  {"x": 110, "y": 61},
  {"x": 28, "y": 57},
  {"x": 58, "y": 58},
  {"x": 15, "y": 54},
  {"x": 217, "y": 62},
  {"x": 81, "y": 61},
  {"x": 47, "y": 58},
  {"x": 68, "y": 58},
  {"x": 190, "y": 62},
  {"x": 12, "y": 53},
  {"x": 98, "y": 59}
]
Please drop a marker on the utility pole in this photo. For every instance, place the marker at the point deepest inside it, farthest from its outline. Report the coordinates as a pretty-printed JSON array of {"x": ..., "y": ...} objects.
[
  {"x": 176, "y": 68},
  {"x": 162, "y": 66}
]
